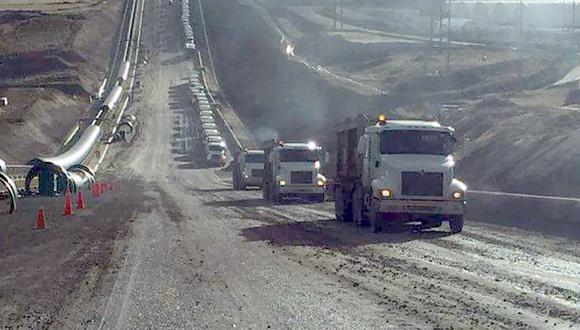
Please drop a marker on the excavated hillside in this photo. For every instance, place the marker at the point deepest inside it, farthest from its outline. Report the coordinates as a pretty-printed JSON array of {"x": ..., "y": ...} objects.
[
  {"x": 514, "y": 135},
  {"x": 51, "y": 61}
]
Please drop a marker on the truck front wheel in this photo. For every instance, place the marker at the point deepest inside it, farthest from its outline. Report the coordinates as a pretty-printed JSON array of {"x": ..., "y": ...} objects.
[
  {"x": 375, "y": 221},
  {"x": 456, "y": 224},
  {"x": 358, "y": 208}
]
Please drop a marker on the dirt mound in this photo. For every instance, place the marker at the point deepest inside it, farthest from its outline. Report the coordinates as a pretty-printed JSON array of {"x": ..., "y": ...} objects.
[
  {"x": 573, "y": 97},
  {"x": 494, "y": 103}
]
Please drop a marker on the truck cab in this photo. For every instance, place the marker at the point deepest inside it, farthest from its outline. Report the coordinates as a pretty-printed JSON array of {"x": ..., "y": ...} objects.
[
  {"x": 293, "y": 170},
  {"x": 248, "y": 169},
  {"x": 396, "y": 172}
]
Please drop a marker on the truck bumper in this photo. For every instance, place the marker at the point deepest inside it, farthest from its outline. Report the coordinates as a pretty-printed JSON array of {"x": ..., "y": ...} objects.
[
  {"x": 253, "y": 181},
  {"x": 297, "y": 190},
  {"x": 422, "y": 207}
]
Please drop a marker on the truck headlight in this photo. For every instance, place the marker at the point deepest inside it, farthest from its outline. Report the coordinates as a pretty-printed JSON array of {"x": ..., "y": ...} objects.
[
  {"x": 320, "y": 182},
  {"x": 386, "y": 193},
  {"x": 282, "y": 183},
  {"x": 457, "y": 195}
]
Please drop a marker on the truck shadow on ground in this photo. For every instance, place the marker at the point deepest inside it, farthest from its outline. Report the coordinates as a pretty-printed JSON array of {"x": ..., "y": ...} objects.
[
  {"x": 254, "y": 202},
  {"x": 329, "y": 233}
]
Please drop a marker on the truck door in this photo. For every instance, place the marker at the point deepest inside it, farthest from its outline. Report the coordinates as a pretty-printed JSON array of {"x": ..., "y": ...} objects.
[{"x": 364, "y": 158}]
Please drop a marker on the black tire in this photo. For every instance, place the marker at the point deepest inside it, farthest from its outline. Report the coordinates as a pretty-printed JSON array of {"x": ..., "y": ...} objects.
[
  {"x": 456, "y": 224},
  {"x": 342, "y": 206},
  {"x": 375, "y": 221},
  {"x": 265, "y": 190},
  {"x": 318, "y": 198},
  {"x": 358, "y": 214},
  {"x": 274, "y": 195}
]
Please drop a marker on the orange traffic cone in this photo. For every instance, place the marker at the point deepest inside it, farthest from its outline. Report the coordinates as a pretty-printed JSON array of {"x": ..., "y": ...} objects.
[
  {"x": 40, "y": 219},
  {"x": 80, "y": 200},
  {"x": 67, "y": 204}
]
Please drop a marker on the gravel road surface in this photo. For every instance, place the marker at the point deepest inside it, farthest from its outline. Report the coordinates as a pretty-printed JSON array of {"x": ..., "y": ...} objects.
[{"x": 203, "y": 256}]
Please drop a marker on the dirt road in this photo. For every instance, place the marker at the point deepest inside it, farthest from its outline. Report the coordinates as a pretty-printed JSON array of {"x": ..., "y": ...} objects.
[{"x": 204, "y": 256}]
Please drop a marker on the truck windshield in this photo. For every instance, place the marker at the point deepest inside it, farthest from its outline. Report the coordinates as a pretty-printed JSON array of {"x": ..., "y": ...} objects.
[
  {"x": 253, "y": 158},
  {"x": 416, "y": 142},
  {"x": 298, "y": 155}
]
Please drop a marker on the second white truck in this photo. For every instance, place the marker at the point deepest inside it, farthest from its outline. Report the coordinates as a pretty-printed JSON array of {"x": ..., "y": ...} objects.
[
  {"x": 293, "y": 170},
  {"x": 248, "y": 169}
]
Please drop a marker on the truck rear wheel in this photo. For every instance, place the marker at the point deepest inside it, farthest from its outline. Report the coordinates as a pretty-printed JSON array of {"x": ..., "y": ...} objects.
[
  {"x": 342, "y": 205},
  {"x": 456, "y": 224}
]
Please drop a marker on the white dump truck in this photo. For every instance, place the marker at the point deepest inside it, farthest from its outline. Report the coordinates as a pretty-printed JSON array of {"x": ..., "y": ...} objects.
[
  {"x": 395, "y": 172},
  {"x": 293, "y": 170},
  {"x": 216, "y": 153},
  {"x": 248, "y": 169}
]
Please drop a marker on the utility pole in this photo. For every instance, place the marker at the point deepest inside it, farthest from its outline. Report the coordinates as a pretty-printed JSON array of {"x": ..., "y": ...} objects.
[
  {"x": 520, "y": 19},
  {"x": 573, "y": 15},
  {"x": 448, "y": 35},
  {"x": 341, "y": 15},
  {"x": 520, "y": 30},
  {"x": 441, "y": 21},
  {"x": 564, "y": 15},
  {"x": 334, "y": 16},
  {"x": 432, "y": 31}
]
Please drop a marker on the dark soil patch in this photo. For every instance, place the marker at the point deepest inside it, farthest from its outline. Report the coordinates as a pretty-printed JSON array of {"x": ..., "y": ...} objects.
[{"x": 39, "y": 269}]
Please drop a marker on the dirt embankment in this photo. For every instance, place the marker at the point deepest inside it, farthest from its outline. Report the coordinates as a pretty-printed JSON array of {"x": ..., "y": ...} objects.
[
  {"x": 50, "y": 65},
  {"x": 520, "y": 146}
]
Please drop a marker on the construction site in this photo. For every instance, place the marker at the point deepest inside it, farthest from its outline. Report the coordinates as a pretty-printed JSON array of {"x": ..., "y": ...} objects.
[{"x": 154, "y": 232}]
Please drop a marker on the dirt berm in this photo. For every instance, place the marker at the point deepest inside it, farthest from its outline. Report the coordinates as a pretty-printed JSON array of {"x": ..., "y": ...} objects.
[
  {"x": 517, "y": 148},
  {"x": 50, "y": 64}
]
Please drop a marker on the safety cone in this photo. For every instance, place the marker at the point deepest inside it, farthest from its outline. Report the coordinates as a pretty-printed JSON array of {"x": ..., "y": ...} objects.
[
  {"x": 67, "y": 204},
  {"x": 80, "y": 200},
  {"x": 40, "y": 219}
]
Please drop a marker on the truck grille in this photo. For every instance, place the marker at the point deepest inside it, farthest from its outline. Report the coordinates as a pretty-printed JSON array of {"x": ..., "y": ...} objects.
[
  {"x": 257, "y": 173},
  {"x": 422, "y": 184},
  {"x": 301, "y": 177}
]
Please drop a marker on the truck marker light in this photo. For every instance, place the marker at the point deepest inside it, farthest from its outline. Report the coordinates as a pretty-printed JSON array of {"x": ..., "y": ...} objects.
[
  {"x": 382, "y": 118},
  {"x": 317, "y": 164},
  {"x": 312, "y": 145},
  {"x": 282, "y": 183},
  {"x": 320, "y": 182},
  {"x": 386, "y": 193},
  {"x": 457, "y": 195}
]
